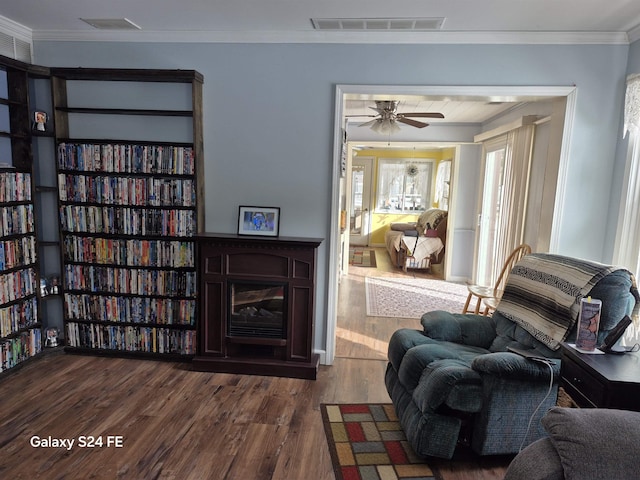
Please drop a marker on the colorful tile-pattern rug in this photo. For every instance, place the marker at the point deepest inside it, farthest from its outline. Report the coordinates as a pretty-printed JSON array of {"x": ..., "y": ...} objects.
[
  {"x": 367, "y": 443},
  {"x": 362, "y": 257}
]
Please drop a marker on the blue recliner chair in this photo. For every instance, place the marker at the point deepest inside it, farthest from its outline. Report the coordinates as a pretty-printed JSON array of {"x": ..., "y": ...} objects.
[{"x": 455, "y": 382}]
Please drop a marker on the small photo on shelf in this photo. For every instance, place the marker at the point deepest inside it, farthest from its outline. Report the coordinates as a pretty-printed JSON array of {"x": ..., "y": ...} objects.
[
  {"x": 50, "y": 286},
  {"x": 263, "y": 221},
  {"x": 40, "y": 121},
  {"x": 52, "y": 337}
]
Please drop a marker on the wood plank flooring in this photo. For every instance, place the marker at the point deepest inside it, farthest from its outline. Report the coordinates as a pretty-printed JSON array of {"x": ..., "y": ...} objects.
[{"x": 175, "y": 423}]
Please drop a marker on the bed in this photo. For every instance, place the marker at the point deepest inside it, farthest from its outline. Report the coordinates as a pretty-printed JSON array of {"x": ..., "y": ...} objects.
[{"x": 418, "y": 245}]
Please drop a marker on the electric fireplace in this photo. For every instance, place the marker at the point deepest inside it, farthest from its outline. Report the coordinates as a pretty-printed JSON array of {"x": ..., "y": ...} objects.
[
  {"x": 256, "y": 305},
  {"x": 256, "y": 309}
]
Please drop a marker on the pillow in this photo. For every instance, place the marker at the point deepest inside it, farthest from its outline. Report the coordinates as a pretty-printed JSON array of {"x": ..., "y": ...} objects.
[
  {"x": 430, "y": 219},
  {"x": 401, "y": 227},
  {"x": 595, "y": 443}
]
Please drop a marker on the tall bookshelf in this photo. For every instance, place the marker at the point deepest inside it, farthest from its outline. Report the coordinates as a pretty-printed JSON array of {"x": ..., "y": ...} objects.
[
  {"x": 130, "y": 195},
  {"x": 20, "y": 327},
  {"x": 46, "y": 207}
]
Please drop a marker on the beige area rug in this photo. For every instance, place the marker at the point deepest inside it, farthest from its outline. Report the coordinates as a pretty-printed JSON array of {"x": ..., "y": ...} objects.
[{"x": 407, "y": 297}]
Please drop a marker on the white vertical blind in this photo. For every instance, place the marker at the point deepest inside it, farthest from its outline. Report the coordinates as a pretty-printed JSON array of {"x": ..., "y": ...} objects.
[
  {"x": 514, "y": 192},
  {"x": 627, "y": 249},
  {"x": 632, "y": 105}
]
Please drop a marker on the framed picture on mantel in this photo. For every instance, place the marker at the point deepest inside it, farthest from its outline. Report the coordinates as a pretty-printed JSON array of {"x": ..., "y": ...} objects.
[{"x": 264, "y": 221}]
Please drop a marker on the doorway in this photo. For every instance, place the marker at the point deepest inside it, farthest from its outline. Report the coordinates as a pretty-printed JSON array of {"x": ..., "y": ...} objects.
[
  {"x": 490, "y": 213},
  {"x": 437, "y": 93}
]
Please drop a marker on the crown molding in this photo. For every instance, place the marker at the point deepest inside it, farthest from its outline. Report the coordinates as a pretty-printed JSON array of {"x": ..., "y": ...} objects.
[
  {"x": 634, "y": 34},
  {"x": 490, "y": 38},
  {"x": 15, "y": 29}
]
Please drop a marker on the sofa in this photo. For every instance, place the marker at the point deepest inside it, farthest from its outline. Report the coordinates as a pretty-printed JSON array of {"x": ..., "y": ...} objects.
[
  {"x": 455, "y": 382},
  {"x": 582, "y": 443},
  {"x": 418, "y": 245}
]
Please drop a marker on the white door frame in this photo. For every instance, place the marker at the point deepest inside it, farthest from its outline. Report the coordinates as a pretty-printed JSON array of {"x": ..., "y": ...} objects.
[{"x": 449, "y": 91}]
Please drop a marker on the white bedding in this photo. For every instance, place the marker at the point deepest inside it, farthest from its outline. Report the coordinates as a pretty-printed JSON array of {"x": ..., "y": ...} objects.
[{"x": 423, "y": 248}]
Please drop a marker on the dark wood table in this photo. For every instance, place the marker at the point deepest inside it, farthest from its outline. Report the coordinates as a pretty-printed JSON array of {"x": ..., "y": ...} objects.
[{"x": 605, "y": 381}]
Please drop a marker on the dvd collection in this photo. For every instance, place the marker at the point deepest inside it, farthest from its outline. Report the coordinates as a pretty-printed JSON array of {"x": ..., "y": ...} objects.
[
  {"x": 19, "y": 348},
  {"x": 15, "y": 187},
  {"x": 131, "y": 338},
  {"x": 139, "y": 191},
  {"x": 127, "y": 221},
  {"x": 16, "y": 219},
  {"x": 112, "y": 308},
  {"x": 133, "y": 281},
  {"x": 17, "y": 252},
  {"x": 18, "y": 316},
  {"x": 126, "y": 158},
  {"x": 123, "y": 293},
  {"x": 130, "y": 252},
  {"x": 20, "y": 336}
]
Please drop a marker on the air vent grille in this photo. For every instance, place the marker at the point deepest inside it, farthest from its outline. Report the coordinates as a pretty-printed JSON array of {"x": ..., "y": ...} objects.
[
  {"x": 111, "y": 23},
  {"x": 379, "y": 24},
  {"x": 15, "y": 48},
  {"x": 23, "y": 50}
]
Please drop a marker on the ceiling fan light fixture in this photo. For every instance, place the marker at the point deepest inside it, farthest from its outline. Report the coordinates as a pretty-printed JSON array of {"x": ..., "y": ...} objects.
[{"x": 385, "y": 126}]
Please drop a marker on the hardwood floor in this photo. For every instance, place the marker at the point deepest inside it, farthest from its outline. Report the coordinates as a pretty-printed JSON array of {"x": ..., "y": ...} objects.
[{"x": 175, "y": 423}]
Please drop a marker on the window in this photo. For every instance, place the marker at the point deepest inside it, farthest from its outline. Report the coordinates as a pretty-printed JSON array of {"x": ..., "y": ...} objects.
[
  {"x": 628, "y": 236},
  {"x": 627, "y": 250},
  {"x": 404, "y": 185}
]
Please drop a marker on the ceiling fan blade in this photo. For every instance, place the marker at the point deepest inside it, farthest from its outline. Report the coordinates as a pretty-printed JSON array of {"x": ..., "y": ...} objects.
[
  {"x": 413, "y": 123},
  {"x": 422, "y": 114},
  {"x": 354, "y": 116}
]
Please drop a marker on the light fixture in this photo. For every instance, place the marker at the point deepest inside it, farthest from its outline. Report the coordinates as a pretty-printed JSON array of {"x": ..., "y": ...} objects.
[{"x": 385, "y": 126}]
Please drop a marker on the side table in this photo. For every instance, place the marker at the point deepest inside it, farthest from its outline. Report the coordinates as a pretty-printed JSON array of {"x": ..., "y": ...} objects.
[{"x": 605, "y": 381}]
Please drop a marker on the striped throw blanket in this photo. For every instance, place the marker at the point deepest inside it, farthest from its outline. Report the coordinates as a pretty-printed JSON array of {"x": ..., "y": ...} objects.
[{"x": 543, "y": 294}]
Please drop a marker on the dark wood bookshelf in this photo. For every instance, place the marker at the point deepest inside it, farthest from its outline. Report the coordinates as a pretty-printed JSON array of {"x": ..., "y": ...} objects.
[
  {"x": 127, "y": 111},
  {"x": 103, "y": 334},
  {"x": 20, "y": 334}
]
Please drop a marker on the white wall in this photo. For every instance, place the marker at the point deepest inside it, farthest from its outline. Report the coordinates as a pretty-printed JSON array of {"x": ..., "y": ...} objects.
[{"x": 268, "y": 118}]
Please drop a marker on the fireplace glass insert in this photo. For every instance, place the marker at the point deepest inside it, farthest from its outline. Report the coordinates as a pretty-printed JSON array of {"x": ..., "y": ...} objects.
[{"x": 257, "y": 309}]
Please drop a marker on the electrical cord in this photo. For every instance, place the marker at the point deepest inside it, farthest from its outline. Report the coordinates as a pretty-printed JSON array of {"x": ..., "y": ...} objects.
[{"x": 550, "y": 365}]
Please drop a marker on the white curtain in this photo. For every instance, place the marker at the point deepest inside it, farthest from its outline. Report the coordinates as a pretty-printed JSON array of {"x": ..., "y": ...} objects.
[
  {"x": 516, "y": 189},
  {"x": 627, "y": 249},
  {"x": 443, "y": 178},
  {"x": 632, "y": 105},
  {"x": 518, "y": 144}
]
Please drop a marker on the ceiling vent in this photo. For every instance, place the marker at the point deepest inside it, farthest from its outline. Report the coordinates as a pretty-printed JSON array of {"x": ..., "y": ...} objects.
[
  {"x": 15, "y": 48},
  {"x": 111, "y": 23},
  {"x": 379, "y": 24}
]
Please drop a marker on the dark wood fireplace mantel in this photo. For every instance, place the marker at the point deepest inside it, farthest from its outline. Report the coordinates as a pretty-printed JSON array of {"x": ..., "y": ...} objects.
[{"x": 281, "y": 264}]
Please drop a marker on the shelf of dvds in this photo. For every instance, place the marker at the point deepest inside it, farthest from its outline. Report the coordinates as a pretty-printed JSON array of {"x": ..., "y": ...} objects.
[
  {"x": 20, "y": 327},
  {"x": 130, "y": 197}
]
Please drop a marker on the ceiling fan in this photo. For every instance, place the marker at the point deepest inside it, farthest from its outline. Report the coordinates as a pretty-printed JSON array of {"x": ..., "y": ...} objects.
[{"x": 387, "y": 118}]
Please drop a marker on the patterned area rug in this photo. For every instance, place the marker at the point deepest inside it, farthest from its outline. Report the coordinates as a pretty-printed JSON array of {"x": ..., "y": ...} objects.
[
  {"x": 408, "y": 297},
  {"x": 362, "y": 257},
  {"x": 367, "y": 443}
]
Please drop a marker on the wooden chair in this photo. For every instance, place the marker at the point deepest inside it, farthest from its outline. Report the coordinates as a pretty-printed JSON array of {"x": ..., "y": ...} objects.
[{"x": 491, "y": 295}]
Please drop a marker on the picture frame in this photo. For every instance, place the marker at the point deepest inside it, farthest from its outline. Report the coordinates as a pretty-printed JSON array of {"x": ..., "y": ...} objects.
[
  {"x": 40, "y": 121},
  {"x": 263, "y": 221}
]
